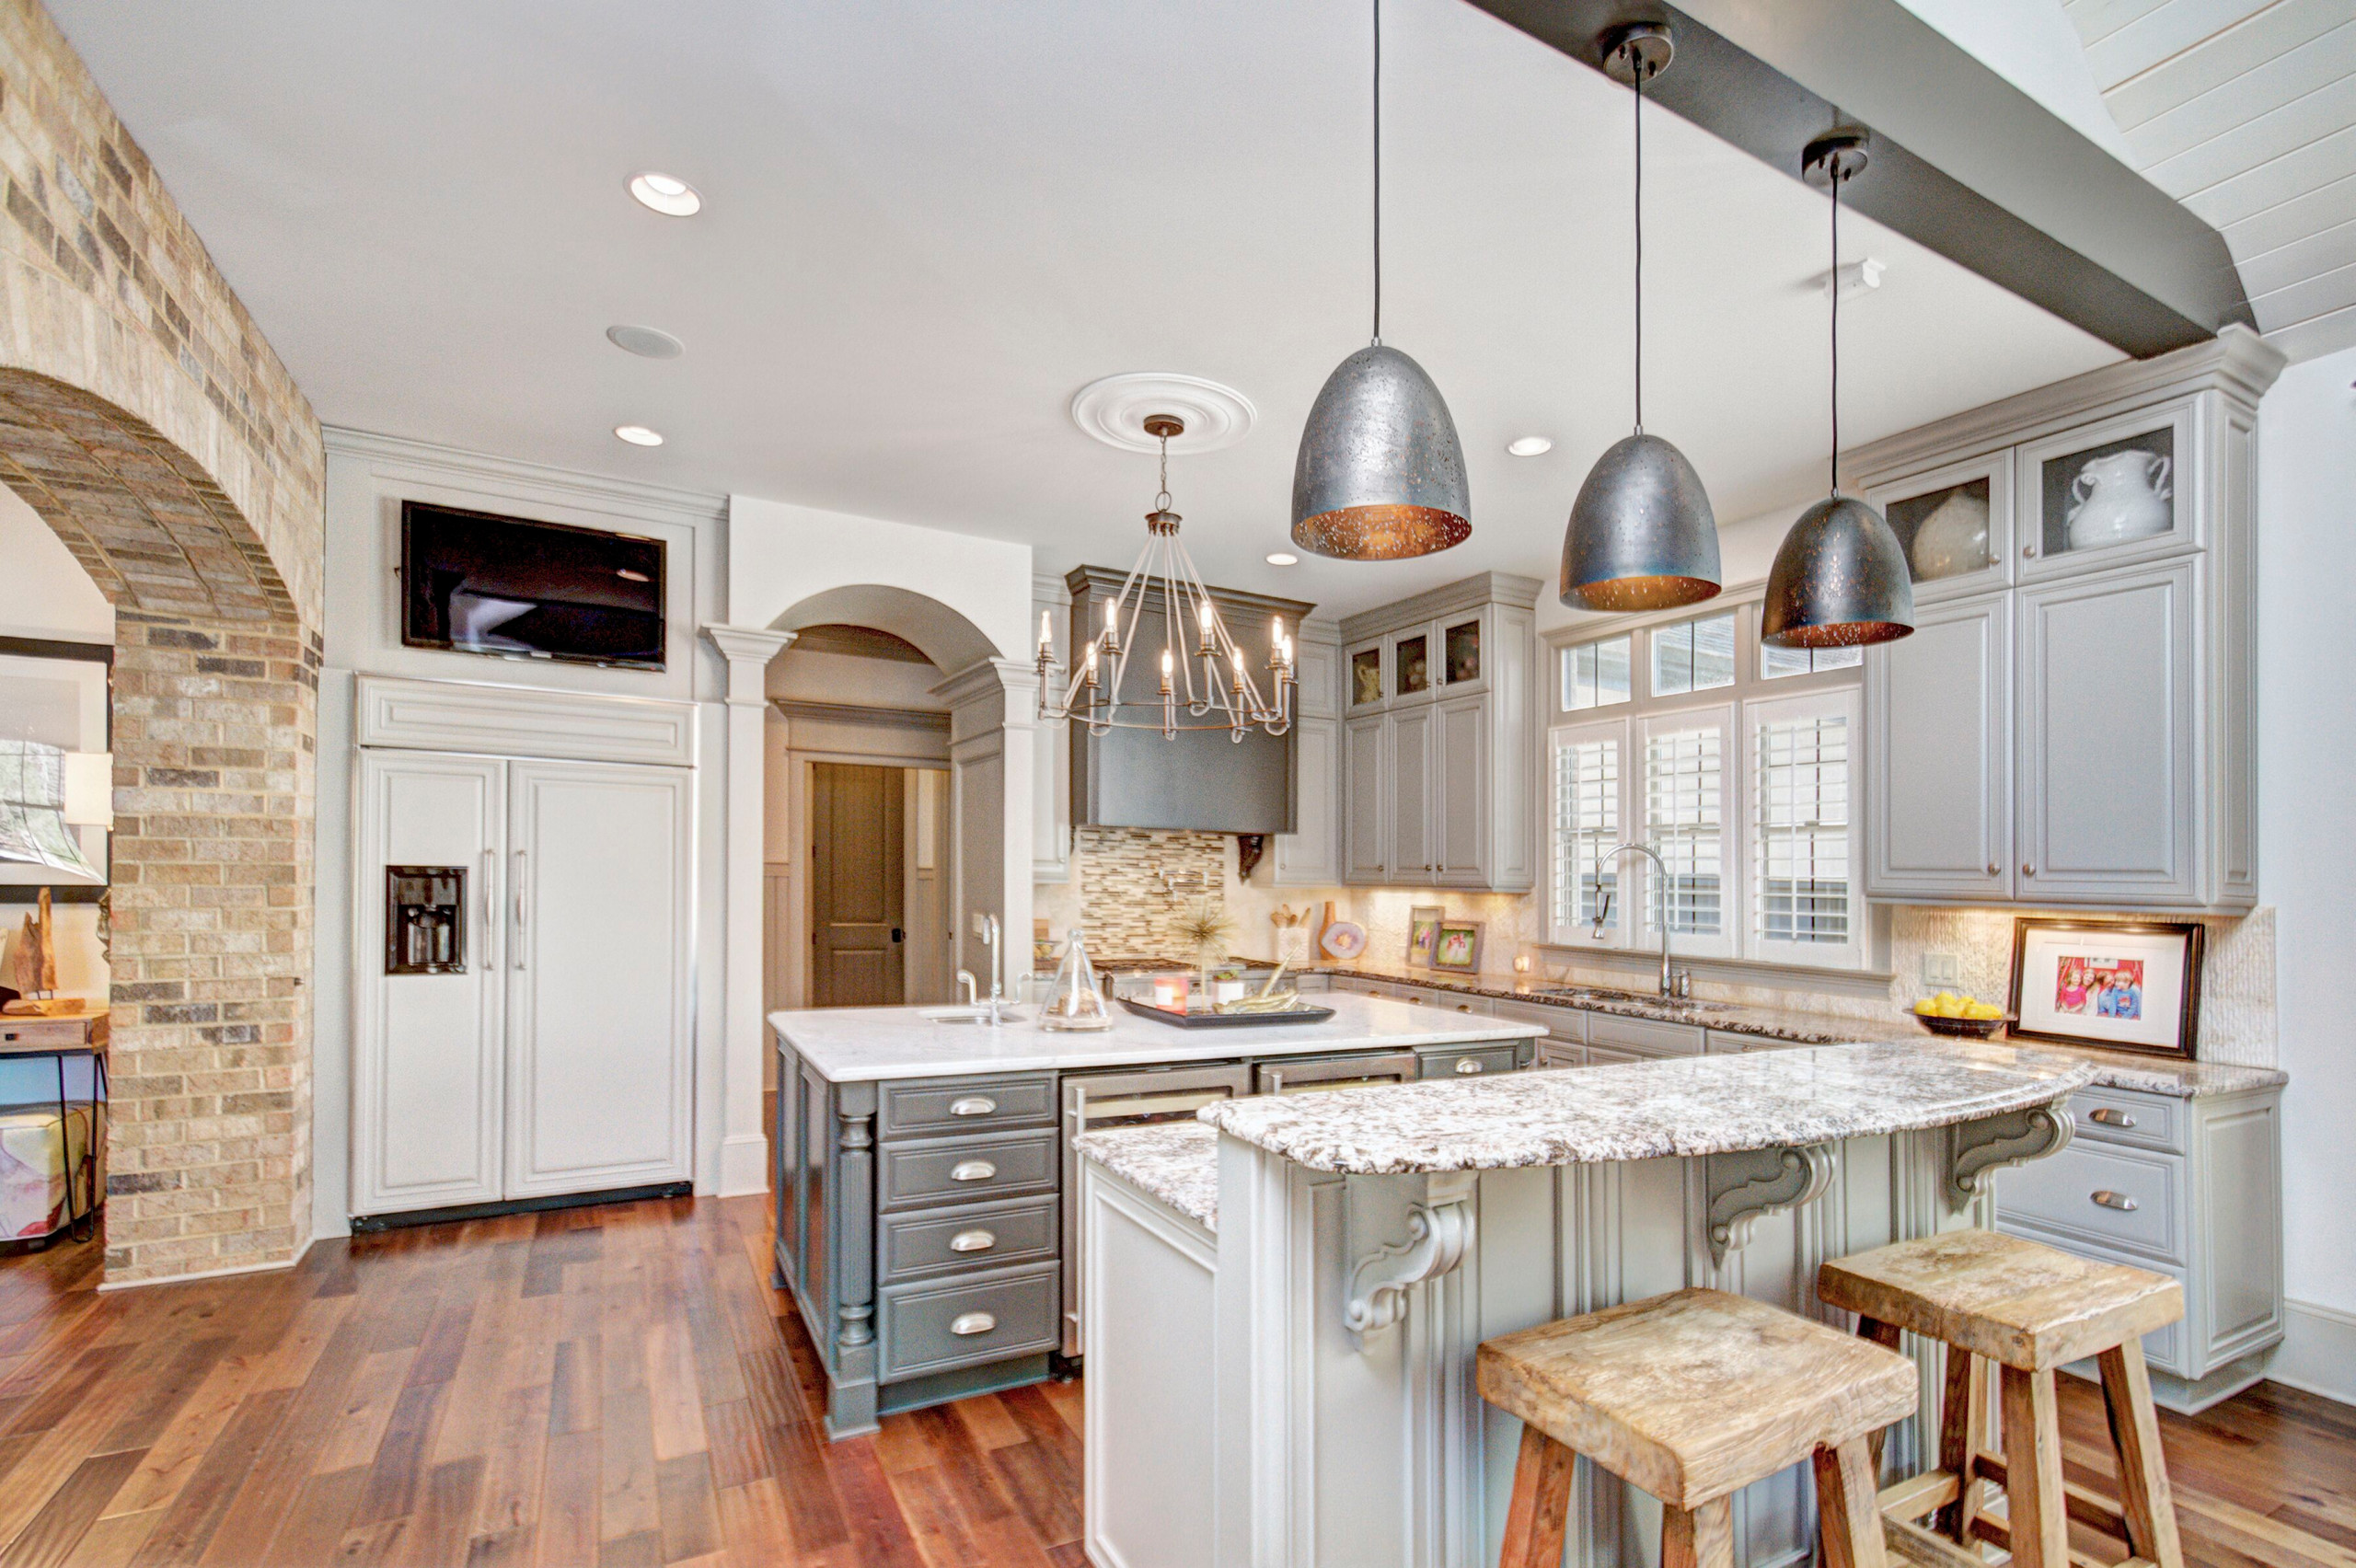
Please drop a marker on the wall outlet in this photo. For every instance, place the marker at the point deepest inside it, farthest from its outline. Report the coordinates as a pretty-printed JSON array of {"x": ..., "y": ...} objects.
[{"x": 1942, "y": 969}]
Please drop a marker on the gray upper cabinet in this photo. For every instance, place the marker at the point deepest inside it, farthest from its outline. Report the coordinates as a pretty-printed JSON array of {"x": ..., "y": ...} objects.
[
  {"x": 1311, "y": 856},
  {"x": 2072, "y": 721},
  {"x": 1939, "y": 789},
  {"x": 1440, "y": 743}
]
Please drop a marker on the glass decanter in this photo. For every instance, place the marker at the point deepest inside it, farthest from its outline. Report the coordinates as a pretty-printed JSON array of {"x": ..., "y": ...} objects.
[{"x": 1075, "y": 1001}]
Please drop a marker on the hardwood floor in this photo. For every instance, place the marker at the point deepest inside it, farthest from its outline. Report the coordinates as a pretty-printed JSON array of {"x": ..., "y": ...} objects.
[{"x": 618, "y": 1386}]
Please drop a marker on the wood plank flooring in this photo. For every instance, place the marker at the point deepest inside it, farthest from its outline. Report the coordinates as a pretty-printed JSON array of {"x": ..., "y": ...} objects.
[{"x": 618, "y": 1387}]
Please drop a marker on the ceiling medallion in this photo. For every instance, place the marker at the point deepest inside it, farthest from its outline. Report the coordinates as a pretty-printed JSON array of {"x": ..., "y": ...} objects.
[
  {"x": 1380, "y": 475},
  {"x": 1114, "y": 409},
  {"x": 1840, "y": 578},
  {"x": 1190, "y": 632}
]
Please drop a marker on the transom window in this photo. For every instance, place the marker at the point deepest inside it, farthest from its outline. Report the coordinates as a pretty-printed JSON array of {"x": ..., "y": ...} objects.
[
  {"x": 1696, "y": 655},
  {"x": 1595, "y": 675}
]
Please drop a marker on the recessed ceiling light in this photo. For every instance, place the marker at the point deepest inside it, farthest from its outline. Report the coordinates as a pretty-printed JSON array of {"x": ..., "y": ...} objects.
[
  {"x": 665, "y": 193},
  {"x": 1529, "y": 446},
  {"x": 646, "y": 342},
  {"x": 639, "y": 435},
  {"x": 1284, "y": 557}
]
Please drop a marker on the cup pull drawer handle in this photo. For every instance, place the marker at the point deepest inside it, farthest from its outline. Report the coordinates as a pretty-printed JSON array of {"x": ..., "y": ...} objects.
[
  {"x": 972, "y": 1242},
  {"x": 972, "y": 1171},
  {"x": 2109, "y": 1117},
  {"x": 2119, "y": 1201},
  {"x": 972, "y": 1323},
  {"x": 973, "y": 1105},
  {"x": 1468, "y": 1065}
]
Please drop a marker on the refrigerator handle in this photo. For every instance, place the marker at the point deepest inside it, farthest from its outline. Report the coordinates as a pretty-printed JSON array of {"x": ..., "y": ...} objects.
[
  {"x": 522, "y": 910},
  {"x": 489, "y": 907}
]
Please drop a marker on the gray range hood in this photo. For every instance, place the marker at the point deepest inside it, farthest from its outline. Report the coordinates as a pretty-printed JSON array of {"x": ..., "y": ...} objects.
[{"x": 1201, "y": 780}]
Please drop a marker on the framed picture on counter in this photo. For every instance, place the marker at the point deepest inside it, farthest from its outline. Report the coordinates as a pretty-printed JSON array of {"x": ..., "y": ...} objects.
[
  {"x": 1458, "y": 947},
  {"x": 2128, "y": 985},
  {"x": 1422, "y": 933}
]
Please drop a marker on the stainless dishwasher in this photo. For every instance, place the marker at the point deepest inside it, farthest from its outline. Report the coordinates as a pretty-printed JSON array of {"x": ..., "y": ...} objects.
[{"x": 1129, "y": 1098}]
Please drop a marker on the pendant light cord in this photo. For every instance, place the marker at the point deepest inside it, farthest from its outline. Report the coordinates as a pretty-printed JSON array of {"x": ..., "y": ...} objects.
[
  {"x": 1378, "y": 171},
  {"x": 1636, "y": 70},
  {"x": 1833, "y": 172}
]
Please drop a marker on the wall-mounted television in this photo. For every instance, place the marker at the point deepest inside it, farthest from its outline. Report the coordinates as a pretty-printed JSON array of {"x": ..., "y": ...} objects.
[{"x": 479, "y": 583}]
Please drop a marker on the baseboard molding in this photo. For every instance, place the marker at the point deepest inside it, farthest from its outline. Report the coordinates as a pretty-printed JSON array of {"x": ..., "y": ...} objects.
[
  {"x": 108, "y": 1284},
  {"x": 2318, "y": 1350},
  {"x": 743, "y": 1164}
]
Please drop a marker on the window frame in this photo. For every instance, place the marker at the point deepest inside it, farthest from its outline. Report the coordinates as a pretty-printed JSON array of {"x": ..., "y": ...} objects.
[
  {"x": 1849, "y": 704},
  {"x": 1745, "y": 941},
  {"x": 1580, "y": 933}
]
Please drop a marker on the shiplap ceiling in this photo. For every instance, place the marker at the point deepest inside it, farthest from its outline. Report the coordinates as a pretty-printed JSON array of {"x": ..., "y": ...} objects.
[{"x": 2245, "y": 110}]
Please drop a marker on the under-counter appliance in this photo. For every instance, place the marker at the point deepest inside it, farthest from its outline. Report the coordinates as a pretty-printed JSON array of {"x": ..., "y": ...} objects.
[{"x": 1129, "y": 1098}]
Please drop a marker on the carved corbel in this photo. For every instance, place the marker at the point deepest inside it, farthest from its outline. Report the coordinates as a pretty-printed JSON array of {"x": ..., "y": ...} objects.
[
  {"x": 1977, "y": 1149},
  {"x": 1750, "y": 1183},
  {"x": 1440, "y": 1232}
]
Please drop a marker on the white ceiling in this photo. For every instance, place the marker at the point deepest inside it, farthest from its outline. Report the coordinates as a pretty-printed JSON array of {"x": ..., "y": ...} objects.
[{"x": 926, "y": 226}]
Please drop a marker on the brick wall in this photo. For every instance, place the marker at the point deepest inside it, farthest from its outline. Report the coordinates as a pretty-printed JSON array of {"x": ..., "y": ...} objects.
[{"x": 147, "y": 420}]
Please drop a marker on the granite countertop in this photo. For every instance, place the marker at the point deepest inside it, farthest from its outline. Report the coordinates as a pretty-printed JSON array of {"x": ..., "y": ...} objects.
[
  {"x": 1802, "y": 1026},
  {"x": 1175, "y": 1161},
  {"x": 1680, "y": 1107},
  {"x": 864, "y": 1044}
]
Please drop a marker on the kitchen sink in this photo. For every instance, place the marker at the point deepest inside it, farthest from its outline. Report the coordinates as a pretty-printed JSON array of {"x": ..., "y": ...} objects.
[
  {"x": 970, "y": 1015},
  {"x": 1598, "y": 994}
]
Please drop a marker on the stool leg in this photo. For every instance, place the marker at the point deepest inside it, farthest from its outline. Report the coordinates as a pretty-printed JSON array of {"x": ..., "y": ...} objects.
[
  {"x": 1885, "y": 1335},
  {"x": 2143, "y": 1468},
  {"x": 2036, "y": 1506},
  {"x": 1848, "y": 1511},
  {"x": 1963, "y": 1433},
  {"x": 1698, "y": 1537},
  {"x": 1539, "y": 1513}
]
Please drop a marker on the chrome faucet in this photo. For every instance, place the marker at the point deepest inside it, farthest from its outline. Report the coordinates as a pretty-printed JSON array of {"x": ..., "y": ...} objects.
[
  {"x": 986, "y": 926},
  {"x": 965, "y": 983},
  {"x": 1668, "y": 985}
]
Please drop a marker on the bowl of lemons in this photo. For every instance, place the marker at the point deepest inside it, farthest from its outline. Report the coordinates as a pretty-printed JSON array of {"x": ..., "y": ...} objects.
[{"x": 1965, "y": 1017}]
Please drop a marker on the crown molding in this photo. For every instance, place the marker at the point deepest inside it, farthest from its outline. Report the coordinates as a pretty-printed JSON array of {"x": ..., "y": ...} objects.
[
  {"x": 403, "y": 457},
  {"x": 854, "y": 713}
]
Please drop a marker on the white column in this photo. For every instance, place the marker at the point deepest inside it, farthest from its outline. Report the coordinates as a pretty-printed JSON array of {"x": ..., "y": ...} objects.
[{"x": 743, "y": 1164}]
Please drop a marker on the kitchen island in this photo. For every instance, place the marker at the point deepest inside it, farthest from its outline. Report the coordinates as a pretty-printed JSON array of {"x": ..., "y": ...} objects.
[
  {"x": 1336, "y": 1261},
  {"x": 926, "y": 1221}
]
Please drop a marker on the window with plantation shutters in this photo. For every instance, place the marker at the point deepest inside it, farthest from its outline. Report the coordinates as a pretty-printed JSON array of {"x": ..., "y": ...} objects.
[
  {"x": 1587, "y": 823},
  {"x": 1802, "y": 846},
  {"x": 1685, "y": 820}
]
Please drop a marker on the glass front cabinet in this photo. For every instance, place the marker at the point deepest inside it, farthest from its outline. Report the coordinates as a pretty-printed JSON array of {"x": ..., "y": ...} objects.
[{"x": 2073, "y": 720}]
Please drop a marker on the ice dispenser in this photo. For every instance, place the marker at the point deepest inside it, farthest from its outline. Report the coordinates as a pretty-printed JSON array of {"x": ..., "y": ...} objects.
[{"x": 425, "y": 920}]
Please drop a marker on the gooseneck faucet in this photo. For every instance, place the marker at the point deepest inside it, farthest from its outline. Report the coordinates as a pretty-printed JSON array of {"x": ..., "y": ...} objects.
[
  {"x": 1667, "y": 987},
  {"x": 986, "y": 926}
]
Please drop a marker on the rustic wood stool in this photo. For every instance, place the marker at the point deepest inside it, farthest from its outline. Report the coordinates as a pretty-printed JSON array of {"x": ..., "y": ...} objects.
[
  {"x": 1693, "y": 1396},
  {"x": 2029, "y": 1309}
]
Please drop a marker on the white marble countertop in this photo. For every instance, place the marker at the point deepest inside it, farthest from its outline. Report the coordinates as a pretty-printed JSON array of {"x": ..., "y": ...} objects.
[
  {"x": 1688, "y": 1106},
  {"x": 1175, "y": 1161},
  {"x": 862, "y": 1044}
]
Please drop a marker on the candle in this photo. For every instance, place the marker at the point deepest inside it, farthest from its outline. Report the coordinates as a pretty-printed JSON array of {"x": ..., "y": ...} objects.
[{"x": 1047, "y": 635}]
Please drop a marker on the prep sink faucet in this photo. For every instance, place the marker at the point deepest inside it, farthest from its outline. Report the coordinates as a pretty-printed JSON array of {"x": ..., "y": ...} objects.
[{"x": 1668, "y": 982}]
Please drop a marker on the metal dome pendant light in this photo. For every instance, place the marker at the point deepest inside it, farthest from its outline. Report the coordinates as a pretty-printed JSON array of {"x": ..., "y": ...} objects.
[
  {"x": 1380, "y": 475},
  {"x": 1840, "y": 578},
  {"x": 1641, "y": 535}
]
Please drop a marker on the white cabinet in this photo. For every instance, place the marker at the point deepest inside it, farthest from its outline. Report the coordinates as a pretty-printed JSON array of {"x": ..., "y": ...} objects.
[
  {"x": 1440, "y": 784},
  {"x": 2072, "y": 721},
  {"x": 1309, "y": 856},
  {"x": 553, "y": 1053}
]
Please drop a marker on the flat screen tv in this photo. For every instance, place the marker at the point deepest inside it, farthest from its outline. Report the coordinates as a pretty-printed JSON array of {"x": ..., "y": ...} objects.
[{"x": 481, "y": 583}]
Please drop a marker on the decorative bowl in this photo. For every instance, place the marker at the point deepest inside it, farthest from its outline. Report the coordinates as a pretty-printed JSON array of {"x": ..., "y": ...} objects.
[{"x": 1964, "y": 1028}]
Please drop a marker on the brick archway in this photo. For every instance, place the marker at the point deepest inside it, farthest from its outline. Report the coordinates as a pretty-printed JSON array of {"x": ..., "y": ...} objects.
[{"x": 147, "y": 420}]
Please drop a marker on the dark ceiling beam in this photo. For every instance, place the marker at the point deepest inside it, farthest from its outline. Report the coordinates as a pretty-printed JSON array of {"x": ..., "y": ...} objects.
[{"x": 1963, "y": 162}]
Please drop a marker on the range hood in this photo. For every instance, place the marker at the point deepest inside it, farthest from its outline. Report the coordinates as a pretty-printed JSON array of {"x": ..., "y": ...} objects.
[{"x": 1201, "y": 780}]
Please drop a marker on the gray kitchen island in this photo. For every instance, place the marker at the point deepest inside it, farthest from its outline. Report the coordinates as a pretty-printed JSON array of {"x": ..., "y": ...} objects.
[{"x": 925, "y": 1189}]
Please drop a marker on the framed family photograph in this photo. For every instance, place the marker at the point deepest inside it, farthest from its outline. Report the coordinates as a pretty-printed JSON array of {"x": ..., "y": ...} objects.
[
  {"x": 1459, "y": 947},
  {"x": 2130, "y": 985},
  {"x": 1422, "y": 933}
]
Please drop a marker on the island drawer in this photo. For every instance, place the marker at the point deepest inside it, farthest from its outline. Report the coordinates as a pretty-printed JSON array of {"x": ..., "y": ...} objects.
[
  {"x": 966, "y": 1238},
  {"x": 966, "y": 1169},
  {"x": 2124, "y": 1116},
  {"x": 2120, "y": 1198},
  {"x": 965, "y": 1321},
  {"x": 966, "y": 1105},
  {"x": 1467, "y": 1061},
  {"x": 1645, "y": 1035}
]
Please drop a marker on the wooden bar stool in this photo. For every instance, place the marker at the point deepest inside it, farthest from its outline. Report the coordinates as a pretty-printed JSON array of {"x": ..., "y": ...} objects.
[
  {"x": 2029, "y": 1309},
  {"x": 1693, "y": 1397}
]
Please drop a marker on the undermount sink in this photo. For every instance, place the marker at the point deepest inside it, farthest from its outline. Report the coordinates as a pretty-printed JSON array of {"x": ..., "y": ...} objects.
[{"x": 969, "y": 1015}]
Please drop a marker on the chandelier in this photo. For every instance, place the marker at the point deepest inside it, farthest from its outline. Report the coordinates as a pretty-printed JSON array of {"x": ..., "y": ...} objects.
[{"x": 1095, "y": 692}]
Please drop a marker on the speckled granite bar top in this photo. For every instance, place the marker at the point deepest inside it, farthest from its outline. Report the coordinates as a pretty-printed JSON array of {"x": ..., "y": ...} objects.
[
  {"x": 1649, "y": 1110},
  {"x": 1175, "y": 1161},
  {"x": 1802, "y": 1026}
]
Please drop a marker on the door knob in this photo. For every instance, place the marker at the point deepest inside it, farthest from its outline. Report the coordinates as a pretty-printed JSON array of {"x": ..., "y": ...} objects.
[
  {"x": 1994, "y": 869},
  {"x": 2028, "y": 552},
  {"x": 2027, "y": 870}
]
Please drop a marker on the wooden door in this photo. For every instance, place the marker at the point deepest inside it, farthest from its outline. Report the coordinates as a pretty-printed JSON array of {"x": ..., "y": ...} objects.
[
  {"x": 1411, "y": 856},
  {"x": 858, "y": 948},
  {"x": 1939, "y": 755},
  {"x": 599, "y": 1052},
  {"x": 2109, "y": 772},
  {"x": 428, "y": 1053}
]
